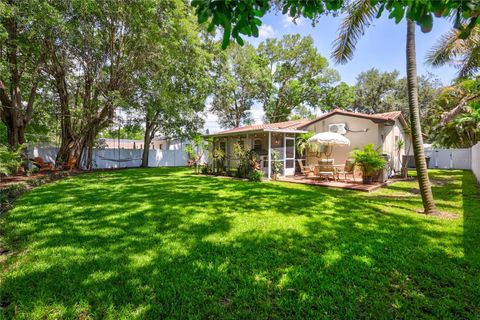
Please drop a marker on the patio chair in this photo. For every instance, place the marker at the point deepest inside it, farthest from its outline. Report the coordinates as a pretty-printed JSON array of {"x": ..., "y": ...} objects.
[
  {"x": 349, "y": 169},
  {"x": 305, "y": 170},
  {"x": 41, "y": 164},
  {"x": 70, "y": 164}
]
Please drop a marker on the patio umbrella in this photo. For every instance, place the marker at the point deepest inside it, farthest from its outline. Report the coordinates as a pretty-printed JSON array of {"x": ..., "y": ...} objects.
[{"x": 329, "y": 139}]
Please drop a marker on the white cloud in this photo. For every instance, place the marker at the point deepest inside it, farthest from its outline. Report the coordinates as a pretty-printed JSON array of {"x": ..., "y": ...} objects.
[
  {"x": 288, "y": 21},
  {"x": 266, "y": 31}
]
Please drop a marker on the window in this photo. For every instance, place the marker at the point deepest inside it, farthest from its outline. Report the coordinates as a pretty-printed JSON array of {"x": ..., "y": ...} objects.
[
  {"x": 257, "y": 145},
  {"x": 223, "y": 146}
]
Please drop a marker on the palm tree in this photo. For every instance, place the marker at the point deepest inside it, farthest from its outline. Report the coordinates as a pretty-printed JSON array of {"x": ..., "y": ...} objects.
[
  {"x": 417, "y": 140},
  {"x": 359, "y": 16}
]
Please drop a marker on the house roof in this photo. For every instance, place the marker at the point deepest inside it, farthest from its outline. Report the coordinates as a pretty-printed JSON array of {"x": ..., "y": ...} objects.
[
  {"x": 286, "y": 125},
  {"x": 377, "y": 117},
  {"x": 303, "y": 123}
]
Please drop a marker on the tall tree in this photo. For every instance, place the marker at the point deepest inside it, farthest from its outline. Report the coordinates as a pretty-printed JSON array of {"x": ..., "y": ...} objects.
[
  {"x": 93, "y": 52},
  {"x": 377, "y": 92},
  {"x": 416, "y": 132},
  {"x": 374, "y": 90},
  {"x": 236, "y": 74},
  {"x": 297, "y": 76},
  {"x": 173, "y": 82},
  {"x": 429, "y": 88},
  {"x": 21, "y": 57}
]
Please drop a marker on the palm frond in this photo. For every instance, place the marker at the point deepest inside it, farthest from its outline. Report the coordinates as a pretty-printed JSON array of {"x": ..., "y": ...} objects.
[
  {"x": 359, "y": 16},
  {"x": 471, "y": 62},
  {"x": 461, "y": 53},
  {"x": 447, "y": 49}
]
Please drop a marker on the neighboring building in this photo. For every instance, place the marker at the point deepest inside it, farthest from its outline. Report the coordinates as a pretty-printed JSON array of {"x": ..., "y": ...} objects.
[
  {"x": 384, "y": 130},
  {"x": 156, "y": 144}
]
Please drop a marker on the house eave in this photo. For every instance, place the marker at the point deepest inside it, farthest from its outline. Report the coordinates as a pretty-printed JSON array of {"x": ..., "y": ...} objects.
[
  {"x": 232, "y": 134},
  {"x": 285, "y": 130}
]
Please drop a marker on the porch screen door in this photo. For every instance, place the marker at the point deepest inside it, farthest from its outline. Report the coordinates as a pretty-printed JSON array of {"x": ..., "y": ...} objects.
[{"x": 289, "y": 158}]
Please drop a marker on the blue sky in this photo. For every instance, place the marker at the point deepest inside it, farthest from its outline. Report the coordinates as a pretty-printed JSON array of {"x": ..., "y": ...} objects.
[{"x": 382, "y": 47}]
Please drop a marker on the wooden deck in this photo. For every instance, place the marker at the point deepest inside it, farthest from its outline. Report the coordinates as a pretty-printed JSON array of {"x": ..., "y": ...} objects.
[{"x": 348, "y": 184}]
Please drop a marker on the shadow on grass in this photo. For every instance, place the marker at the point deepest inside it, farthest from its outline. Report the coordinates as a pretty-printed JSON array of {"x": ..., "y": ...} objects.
[{"x": 161, "y": 243}]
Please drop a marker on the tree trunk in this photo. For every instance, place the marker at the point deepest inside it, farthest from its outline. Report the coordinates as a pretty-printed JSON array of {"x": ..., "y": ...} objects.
[
  {"x": 146, "y": 144},
  {"x": 417, "y": 140},
  {"x": 13, "y": 112}
]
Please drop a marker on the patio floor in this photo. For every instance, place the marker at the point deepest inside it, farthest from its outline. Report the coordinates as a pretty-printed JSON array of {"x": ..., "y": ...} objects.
[{"x": 342, "y": 184}]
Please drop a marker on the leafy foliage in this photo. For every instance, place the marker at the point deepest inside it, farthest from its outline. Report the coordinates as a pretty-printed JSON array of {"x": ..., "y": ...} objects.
[
  {"x": 255, "y": 176},
  {"x": 10, "y": 160},
  {"x": 369, "y": 160},
  {"x": 295, "y": 76},
  {"x": 302, "y": 144},
  {"x": 456, "y": 118},
  {"x": 237, "y": 71},
  {"x": 377, "y": 92}
]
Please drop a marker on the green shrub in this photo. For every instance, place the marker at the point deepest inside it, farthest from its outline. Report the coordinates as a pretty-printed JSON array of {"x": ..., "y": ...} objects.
[
  {"x": 9, "y": 160},
  {"x": 256, "y": 176}
]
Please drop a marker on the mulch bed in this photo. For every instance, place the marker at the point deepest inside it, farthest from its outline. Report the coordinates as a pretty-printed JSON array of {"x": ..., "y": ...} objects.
[{"x": 19, "y": 178}]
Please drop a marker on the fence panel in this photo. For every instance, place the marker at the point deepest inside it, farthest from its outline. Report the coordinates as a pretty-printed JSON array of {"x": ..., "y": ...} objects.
[
  {"x": 476, "y": 161},
  {"x": 450, "y": 158},
  {"x": 117, "y": 158},
  {"x": 167, "y": 158},
  {"x": 122, "y": 158}
]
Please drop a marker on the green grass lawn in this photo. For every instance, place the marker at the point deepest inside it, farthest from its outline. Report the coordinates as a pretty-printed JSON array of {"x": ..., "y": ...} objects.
[{"x": 162, "y": 243}]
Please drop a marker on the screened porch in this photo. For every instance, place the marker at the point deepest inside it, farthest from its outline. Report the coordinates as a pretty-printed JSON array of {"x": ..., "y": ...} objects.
[{"x": 265, "y": 143}]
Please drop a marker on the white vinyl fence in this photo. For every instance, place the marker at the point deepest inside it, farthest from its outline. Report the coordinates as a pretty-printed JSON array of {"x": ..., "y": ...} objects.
[
  {"x": 476, "y": 161},
  {"x": 122, "y": 158},
  {"x": 466, "y": 159},
  {"x": 450, "y": 158}
]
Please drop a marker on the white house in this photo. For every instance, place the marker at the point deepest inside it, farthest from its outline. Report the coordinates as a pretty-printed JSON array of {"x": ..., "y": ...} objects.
[{"x": 384, "y": 130}]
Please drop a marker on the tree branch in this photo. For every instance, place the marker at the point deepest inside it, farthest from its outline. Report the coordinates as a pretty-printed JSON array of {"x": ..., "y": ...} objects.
[{"x": 449, "y": 115}]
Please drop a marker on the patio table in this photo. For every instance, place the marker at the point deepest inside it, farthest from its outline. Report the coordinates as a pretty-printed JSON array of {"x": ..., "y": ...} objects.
[{"x": 325, "y": 173}]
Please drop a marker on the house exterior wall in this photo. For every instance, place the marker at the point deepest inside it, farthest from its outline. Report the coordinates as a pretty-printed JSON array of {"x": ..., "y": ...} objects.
[
  {"x": 357, "y": 139},
  {"x": 391, "y": 137}
]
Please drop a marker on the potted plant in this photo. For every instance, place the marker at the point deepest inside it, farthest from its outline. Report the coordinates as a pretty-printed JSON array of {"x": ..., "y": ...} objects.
[{"x": 369, "y": 160}]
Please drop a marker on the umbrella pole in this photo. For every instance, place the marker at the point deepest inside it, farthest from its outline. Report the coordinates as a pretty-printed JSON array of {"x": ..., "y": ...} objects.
[{"x": 328, "y": 154}]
